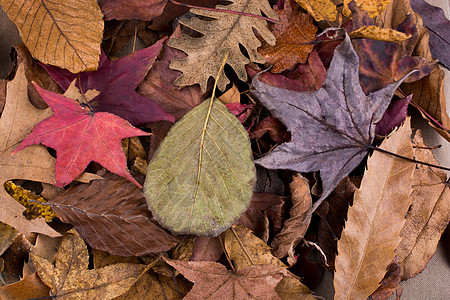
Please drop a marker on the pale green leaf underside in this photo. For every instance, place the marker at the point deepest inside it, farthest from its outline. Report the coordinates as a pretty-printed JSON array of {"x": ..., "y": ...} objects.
[{"x": 201, "y": 178}]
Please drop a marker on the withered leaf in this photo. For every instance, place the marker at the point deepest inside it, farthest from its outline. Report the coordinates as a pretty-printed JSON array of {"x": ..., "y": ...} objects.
[
  {"x": 294, "y": 34},
  {"x": 225, "y": 33},
  {"x": 112, "y": 215},
  {"x": 30, "y": 286},
  {"x": 213, "y": 280},
  {"x": 320, "y": 9},
  {"x": 206, "y": 249},
  {"x": 332, "y": 127},
  {"x": 374, "y": 222},
  {"x": 394, "y": 116},
  {"x": 372, "y": 7},
  {"x": 295, "y": 227},
  {"x": 134, "y": 9},
  {"x": 381, "y": 34},
  {"x": 69, "y": 277},
  {"x": 56, "y": 31},
  {"x": 428, "y": 216}
]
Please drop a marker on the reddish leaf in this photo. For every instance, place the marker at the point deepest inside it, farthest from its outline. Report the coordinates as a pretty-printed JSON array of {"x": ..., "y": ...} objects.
[
  {"x": 294, "y": 34},
  {"x": 382, "y": 62},
  {"x": 390, "y": 282},
  {"x": 112, "y": 215},
  {"x": 394, "y": 116},
  {"x": 241, "y": 111},
  {"x": 80, "y": 136},
  {"x": 158, "y": 84},
  {"x": 332, "y": 127},
  {"x": 277, "y": 131},
  {"x": 117, "y": 81},
  {"x": 213, "y": 281},
  {"x": 206, "y": 249},
  {"x": 132, "y": 9},
  {"x": 434, "y": 18}
]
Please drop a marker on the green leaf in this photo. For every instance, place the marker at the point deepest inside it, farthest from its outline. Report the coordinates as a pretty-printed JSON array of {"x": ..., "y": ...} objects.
[{"x": 201, "y": 178}]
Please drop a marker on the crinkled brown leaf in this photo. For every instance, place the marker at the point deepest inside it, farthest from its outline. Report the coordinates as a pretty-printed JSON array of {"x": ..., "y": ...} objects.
[
  {"x": 294, "y": 34},
  {"x": 295, "y": 227},
  {"x": 30, "y": 286},
  {"x": 112, "y": 215},
  {"x": 428, "y": 216},
  {"x": 390, "y": 283},
  {"x": 69, "y": 277},
  {"x": 332, "y": 127},
  {"x": 158, "y": 84},
  {"x": 225, "y": 33},
  {"x": 374, "y": 222},
  {"x": 213, "y": 280},
  {"x": 56, "y": 31}
]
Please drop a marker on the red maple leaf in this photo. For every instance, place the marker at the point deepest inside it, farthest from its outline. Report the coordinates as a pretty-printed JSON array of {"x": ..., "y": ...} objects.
[
  {"x": 80, "y": 136},
  {"x": 116, "y": 81}
]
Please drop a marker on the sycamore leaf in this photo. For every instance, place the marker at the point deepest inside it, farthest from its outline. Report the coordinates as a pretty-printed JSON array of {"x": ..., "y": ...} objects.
[
  {"x": 80, "y": 136},
  {"x": 33, "y": 210},
  {"x": 295, "y": 227},
  {"x": 34, "y": 163},
  {"x": 381, "y": 34},
  {"x": 225, "y": 33},
  {"x": 374, "y": 222},
  {"x": 117, "y": 81},
  {"x": 200, "y": 179},
  {"x": 434, "y": 19},
  {"x": 319, "y": 9},
  {"x": 56, "y": 31},
  {"x": 372, "y": 7},
  {"x": 112, "y": 215},
  {"x": 383, "y": 62},
  {"x": 332, "y": 127},
  {"x": 69, "y": 278},
  {"x": 294, "y": 34},
  {"x": 429, "y": 214},
  {"x": 158, "y": 84},
  {"x": 213, "y": 280},
  {"x": 134, "y": 9}
]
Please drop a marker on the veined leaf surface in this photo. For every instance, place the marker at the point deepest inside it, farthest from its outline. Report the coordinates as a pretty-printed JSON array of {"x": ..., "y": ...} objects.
[{"x": 200, "y": 180}]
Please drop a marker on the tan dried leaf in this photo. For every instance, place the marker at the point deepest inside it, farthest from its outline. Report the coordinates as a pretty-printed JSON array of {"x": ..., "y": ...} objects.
[
  {"x": 28, "y": 287},
  {"x": 7, "y": 236},
  {"x": 373, "y": 7},
  {"x": 320, "y": 9},
  {"x": 380, "y": 34},
  {"x": 225, "y": 33},
  {"x": 295, "y": 227},
  {"x": 69, "y": 277},
  {"x": 428, "y": 216},
  {"x": 64, "y": 33},
  {"x": 231, "y": 96},
  {"x": 294, "y": 34},
  {"x": 374, "y": 222}
]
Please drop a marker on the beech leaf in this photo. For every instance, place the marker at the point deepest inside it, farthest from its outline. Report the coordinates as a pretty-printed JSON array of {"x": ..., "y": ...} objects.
[
  {"x": 213, "y": 280},
  {"x": 69, "y": 278},
  {"x": 332, "y": 127},
  {"x": 225, "y": 33},
  {"x": 200, "y": 179},
  {"x": 112, "y": 215},
  {"x": 374, "y": 222},
  {"x": 55, "y": 32},
  {"x": 294, "y": 34},
  {"x": 116, "y": 81},
  {"x": 80, "y": 136}
]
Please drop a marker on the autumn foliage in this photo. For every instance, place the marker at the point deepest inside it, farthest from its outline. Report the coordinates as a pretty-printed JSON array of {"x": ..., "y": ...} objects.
[{"x": 168, "y": 149}]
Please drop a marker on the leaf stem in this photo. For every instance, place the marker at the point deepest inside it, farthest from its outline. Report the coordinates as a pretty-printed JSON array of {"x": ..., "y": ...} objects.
[
  {"x": 408, "y": 159},
  {"x": 224, "y": 11}
]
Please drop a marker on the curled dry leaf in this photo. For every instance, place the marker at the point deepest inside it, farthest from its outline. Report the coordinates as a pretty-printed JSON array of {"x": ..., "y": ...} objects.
[
  {"x": 374, "y": 222},
  {"x": 294, "y": 34},
  {"x": 33, "y": 163},
  {"x": 213, "y": 280},
  {"x": 428, "y": 216},
  {"x": 320, "y": 9},
  {"x": 295, "y": 227},
  {"x": 372, "y": 7},
  {"x": 111, "y": 215},
  {"x": 381, "y": 34},
  {"x": 69, "y": 277},
  {"x": 225, "y": 33},
  {"x": 55, "y": 32}
]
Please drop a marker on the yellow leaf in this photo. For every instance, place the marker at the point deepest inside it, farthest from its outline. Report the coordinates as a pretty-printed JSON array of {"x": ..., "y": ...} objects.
[
  {"x": 33, "y": 210},
  {"x": 69, "y": 277},
  {"x": 374, "y": 222},
  {"x": 381, "y": 34},
  {"x": 373, "y": 7},
  {"x": 319, "y": 9},
  {"x": 64, "y": 33}
]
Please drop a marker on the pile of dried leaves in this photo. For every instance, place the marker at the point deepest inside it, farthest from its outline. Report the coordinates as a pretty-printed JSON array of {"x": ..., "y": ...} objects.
[{"x": 272, "y": 140}]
